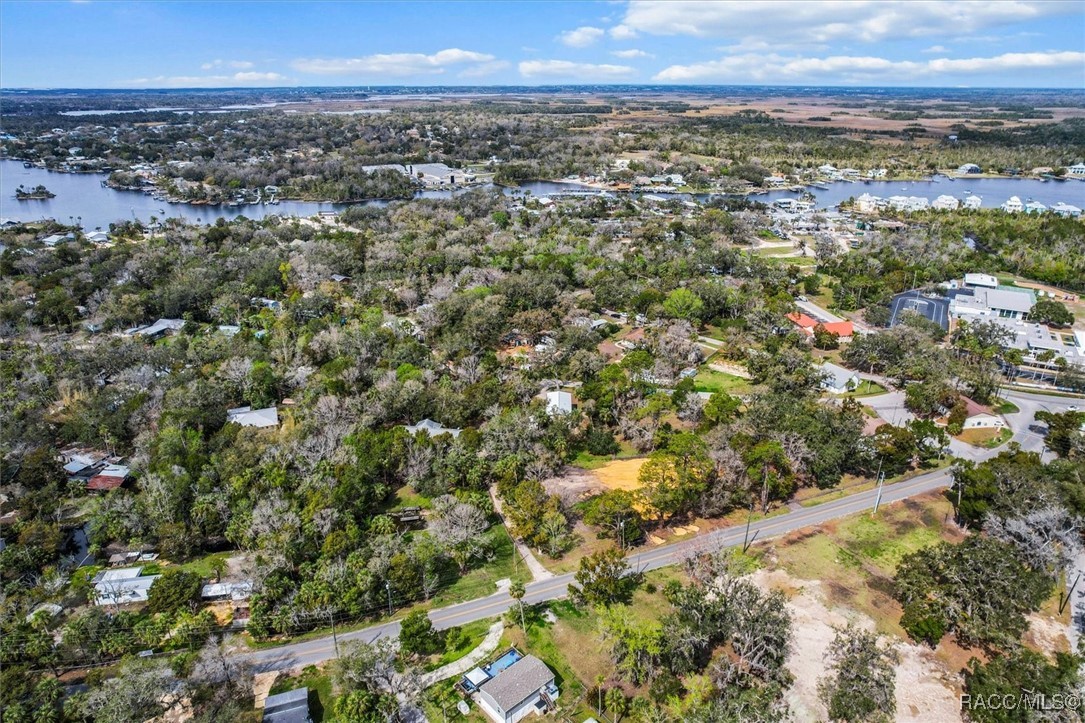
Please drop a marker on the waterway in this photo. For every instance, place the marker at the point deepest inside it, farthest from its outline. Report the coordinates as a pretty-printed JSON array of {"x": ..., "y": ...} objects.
[{"x": 81, "y": 197}]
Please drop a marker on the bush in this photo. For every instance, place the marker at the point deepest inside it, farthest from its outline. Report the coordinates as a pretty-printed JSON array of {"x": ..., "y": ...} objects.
[
  {"x": 416, "y": 634},
  {"x": 175, "y": 590}
]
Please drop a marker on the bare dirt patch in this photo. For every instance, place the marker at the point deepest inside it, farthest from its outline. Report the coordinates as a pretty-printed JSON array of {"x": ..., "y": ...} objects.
[{"x": 926, "y": 689}]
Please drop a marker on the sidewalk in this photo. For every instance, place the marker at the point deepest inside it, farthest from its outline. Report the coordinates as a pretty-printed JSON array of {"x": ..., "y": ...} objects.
[{"x": 458, "y": 667}]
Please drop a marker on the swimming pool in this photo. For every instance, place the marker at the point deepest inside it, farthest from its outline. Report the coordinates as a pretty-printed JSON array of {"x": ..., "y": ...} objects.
[{"x": 503, "y": 662}]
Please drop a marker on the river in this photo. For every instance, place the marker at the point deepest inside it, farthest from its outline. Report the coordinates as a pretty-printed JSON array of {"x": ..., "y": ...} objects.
[{"x": 81, "y": 197}]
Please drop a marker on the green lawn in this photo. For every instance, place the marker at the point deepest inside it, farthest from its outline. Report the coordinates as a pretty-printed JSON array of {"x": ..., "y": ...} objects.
[
  {"x": 587, "y": 460},
  {"x": 205, "y": 566},
  {"x": 471, "y": 636},
  {"x": 866, "y": 388},
  {"x": 710, "y": 380},
  {"x": 480, "y": 581},
  {"x": 407, "y": 497},
  {"x": 1007, "y": 407}
]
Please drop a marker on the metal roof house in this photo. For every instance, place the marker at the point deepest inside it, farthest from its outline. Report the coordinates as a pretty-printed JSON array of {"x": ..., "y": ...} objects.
[
  {"x": 527, "y": 686},
  {"x": 249, "y": 417},
  {"x": 559, "y": 403},
  {"x": 289, "y": 707},
  {"x": 122, "y": 586},
  {"x": 434, "y": 429},
  {"x": 838, "y": 380}
]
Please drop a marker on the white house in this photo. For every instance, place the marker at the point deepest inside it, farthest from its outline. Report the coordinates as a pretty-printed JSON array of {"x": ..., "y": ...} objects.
[
  {"x": 1013, "y": 205},
  {"x": 122, "y": 586},
  {"x": 1078, "y": 169},
  {"x": 160, "y": 328},
  {"x": 968, "y": 168},
  {"x": 838, "y": 380},
  {"x": 525, "y": 687},
  {"x": 1035, "y": 207},
  {"x": 867, "y": 203},
  {"x": 827, "y": 169},
  {"x": 432, "y": 428},
  {"x": 945, "y": 203},
  {"x": 97, "y": 237},
  {"x": 249, "y": 417},
  {"x": 973, "y": 203},
  {"x": 984, "y": 421},
  {"x": 1065, "y": 209},
  {"x": 559, "y": 403}
]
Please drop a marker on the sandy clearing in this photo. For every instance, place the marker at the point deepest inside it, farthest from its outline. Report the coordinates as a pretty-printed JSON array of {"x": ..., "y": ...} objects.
[
  {"x": 926, "y": 691},
  {"x": 621, "y": 474}
]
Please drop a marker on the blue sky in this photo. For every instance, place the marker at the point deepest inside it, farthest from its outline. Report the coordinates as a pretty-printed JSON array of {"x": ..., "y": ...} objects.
[{"x": 153, "y": 44}]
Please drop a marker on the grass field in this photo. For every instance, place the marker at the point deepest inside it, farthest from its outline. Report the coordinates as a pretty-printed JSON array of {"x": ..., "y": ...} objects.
[
  {"x": 988, "y": 438},
  {"x": 866, "y": 388},
  {"x": 587, "y": 460},
  {"x": 855, "y": 558},
  {"x": 710, "y": 380}
]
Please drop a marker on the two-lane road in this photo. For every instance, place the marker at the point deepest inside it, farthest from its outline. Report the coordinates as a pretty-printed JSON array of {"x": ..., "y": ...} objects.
[{"x": 314, "y": 651}]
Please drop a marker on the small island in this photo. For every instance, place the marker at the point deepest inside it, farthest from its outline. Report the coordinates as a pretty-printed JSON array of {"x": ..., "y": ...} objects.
[{"x": 38, "y": 193}]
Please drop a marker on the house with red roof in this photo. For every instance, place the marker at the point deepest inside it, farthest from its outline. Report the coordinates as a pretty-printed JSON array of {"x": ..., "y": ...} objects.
[{"x": 807, "y": 324}]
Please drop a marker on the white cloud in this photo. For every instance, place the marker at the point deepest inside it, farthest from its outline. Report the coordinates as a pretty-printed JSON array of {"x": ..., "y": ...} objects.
[
  {"x": 392, "y": 64},
  {"x": 791, "y": 21},
  {"x": 936, "y": 49},
  {"x": 582, "y": 37},
  {"x": 631, "y": 53},
  {"x": 241, "y": 78},
  {"x": 483, "y": 69},
  {"x": 761, "y": 68},
  {"x": 235, "y": 64},
  {"x": 623, "y": 32},
  {"x": 569, "y": 69}
]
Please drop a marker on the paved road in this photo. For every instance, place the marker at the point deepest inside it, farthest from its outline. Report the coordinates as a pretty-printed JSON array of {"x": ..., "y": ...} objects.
[
  {"x": 314, "y": 651},
  {"x": 318, "y": 650}
]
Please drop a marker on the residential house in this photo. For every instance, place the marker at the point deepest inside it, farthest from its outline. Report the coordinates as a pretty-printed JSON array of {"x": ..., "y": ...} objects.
[
  {"x": 122, "y": 586},
  {"x": 908, "y": 203},
  {"x": 1065, "y": 209},
  {"x": 1078, "y": 169},
  {"x": 527, "y": 686},
  {"x": 945, "y": 203},
  {"x": 249, "y": 417},
  {"x": 968, "y": 168},
  {"x": 1035, "y": 207},
  {"x": 844, "y": 329},
  {"x": 980, "y": 417},
  {"x": 972, "y": 203},
  {"x": 867, "y": 203},
  {"x": 559, "y": 403},
  {"x": 838, "y": 380},
  {"x": 157, "y": 330},
  {"x": 432, "y": 428},
  {"x": 108, "y": 478},
  {"x": 97, "y": 237},
  {"x": 827, "y": 169},
  {"x": 1013, "y": 205},
  {"x": 289, "y": 707},
  {"x": 236, "y": 591}
]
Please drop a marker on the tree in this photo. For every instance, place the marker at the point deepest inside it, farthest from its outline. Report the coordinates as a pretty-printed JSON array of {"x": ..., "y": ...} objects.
[
  {"x": 603, "y": 579},
  {"x": 416, "y": 634},
  {"x": 140, "y": 691},
  {"x": 1063, "y": 431},
  {"x": 1006, "y": 676},
  {"x": 683, "y": 304},
  {"x": 861, "y": 681},
  {"x": 825, "y": 339},
  {"x": 459, "y": 527},
  {"x": 517, "y": 590},
  {"x": 616, "y": 703},
  {"x": 1049, "y": 311},
  {"x": 965, "y": 589},
  {"x": 615, "y": 512},
  {"x": 174, "y": 590}
]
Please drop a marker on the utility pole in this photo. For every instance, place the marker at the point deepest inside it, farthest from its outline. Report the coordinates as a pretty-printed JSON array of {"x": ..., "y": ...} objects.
[
  {"x": 1069, "y": 593},
  {"x": 388, "y": 587},
  {"x": 878, "y": 499},
  {"x": 335, "y": 638},
  {"x": 621, "y": 535},
  {"x": 746, "y": 541}
]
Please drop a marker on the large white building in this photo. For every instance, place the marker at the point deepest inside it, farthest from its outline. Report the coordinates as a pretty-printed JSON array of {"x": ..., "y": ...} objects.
[
  {"x": 1001, "y": 302},
  {"x": 945, "y": 203},
  {"x": 1013, "y": 205}
]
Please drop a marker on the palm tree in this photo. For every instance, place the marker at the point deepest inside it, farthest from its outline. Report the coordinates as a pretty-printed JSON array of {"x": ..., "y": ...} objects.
[{"x": 517, "y": 592}]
